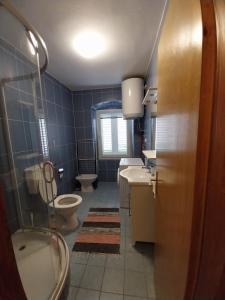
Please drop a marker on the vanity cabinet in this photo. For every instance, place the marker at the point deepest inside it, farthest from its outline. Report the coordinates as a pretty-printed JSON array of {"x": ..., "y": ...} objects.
[
  {"x": 142, "y": 205},
  {"x": 123, "y": 184}
]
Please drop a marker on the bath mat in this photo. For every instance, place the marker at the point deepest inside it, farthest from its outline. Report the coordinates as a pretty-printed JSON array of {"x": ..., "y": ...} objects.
[{"x": 100, "y": 232}]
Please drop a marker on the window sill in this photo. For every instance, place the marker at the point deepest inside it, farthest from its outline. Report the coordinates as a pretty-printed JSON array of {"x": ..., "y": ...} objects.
[{"x": 113, "y": 157}]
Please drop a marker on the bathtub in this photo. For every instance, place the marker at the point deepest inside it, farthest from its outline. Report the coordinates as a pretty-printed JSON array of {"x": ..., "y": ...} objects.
[{"x": 43, "y": 262}]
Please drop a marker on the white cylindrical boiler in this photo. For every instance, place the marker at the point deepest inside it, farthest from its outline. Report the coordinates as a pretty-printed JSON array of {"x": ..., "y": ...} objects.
[{"x": 132, "y": 97}]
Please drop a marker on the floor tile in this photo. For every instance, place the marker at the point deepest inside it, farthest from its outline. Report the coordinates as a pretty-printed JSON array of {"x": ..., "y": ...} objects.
[
  {"x": 87, "y": 270},
  {"x": 134, "y": 262},
  {"x": 135, "y": 284},
  {"x": 84, "y": 294},
  {"x": 148, "y": 263},
  {"x": 72, "y": 293},
  {"x": 109, "y": 296},
  {"x": 96, "y": 259},
  {"x": 150, "y": 285},
  {"x": 128, "y": 231},
  {"x": 115, "y": 261},
  {"x": 79, "y": 257},
  {"x": 129, "y": 245},
  {"x": 113, "y": 281},
  {"x": 134, "y": 298},
  {"x": 77, "y": 272},
  {"x": 124, "y": 212},
  {"x": 122, "y": 244},
  {"x": 92, "y": 278},
  {"x": 128, "y": 221}
]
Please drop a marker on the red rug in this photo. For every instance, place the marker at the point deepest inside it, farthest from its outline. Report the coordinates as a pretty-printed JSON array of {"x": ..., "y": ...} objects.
[{"x": 100, "y": 232}]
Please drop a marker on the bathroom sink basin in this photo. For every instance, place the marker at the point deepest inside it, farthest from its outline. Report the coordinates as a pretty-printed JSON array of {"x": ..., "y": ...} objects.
[{"x": 136, "y": 175}]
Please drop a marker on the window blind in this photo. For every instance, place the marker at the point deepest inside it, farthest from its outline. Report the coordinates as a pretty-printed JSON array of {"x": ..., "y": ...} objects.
[
  {"x": 122, "y": 135},
  {"x": 112, "y": 134},
  {"x": 44, "y": 138},
  {"x": 106, "y": 133}
]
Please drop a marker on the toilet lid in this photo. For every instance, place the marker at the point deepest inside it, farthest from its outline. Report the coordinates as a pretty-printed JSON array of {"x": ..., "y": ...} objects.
[{"x": 48, "y": 191}]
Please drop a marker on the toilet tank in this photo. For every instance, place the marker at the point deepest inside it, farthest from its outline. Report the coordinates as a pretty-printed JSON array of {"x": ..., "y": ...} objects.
[{"x": 33, "y": 175}]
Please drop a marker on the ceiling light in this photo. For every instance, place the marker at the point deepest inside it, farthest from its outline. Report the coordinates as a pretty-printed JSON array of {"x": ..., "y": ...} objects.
[{"x": 89, "y": 44}]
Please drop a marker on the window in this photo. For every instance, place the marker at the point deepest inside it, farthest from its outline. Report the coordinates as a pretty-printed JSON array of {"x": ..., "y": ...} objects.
[
  {"x": 113, "y": 134},
  {"x": 44, "y": 138}
]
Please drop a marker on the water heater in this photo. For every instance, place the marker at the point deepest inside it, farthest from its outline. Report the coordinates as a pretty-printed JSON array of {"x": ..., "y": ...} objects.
[{"x": 132, "y": 97}]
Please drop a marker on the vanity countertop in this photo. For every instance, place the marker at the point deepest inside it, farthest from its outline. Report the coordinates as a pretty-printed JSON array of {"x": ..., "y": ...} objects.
[
  {"x": 149, "y": 154},
  {"x": 131, "y": 162},
  {"x": 136, "y": 175}
]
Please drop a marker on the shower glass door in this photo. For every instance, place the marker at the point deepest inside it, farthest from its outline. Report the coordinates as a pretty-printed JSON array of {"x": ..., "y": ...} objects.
[{"x": 22, "y": 118}]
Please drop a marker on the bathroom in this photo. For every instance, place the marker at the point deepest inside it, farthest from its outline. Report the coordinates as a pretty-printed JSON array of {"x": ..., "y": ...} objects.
[{"x": 101, "y": 148}]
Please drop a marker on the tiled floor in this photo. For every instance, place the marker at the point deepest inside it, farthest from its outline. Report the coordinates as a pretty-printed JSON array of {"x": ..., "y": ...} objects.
[{"x": 128, "y": 276}]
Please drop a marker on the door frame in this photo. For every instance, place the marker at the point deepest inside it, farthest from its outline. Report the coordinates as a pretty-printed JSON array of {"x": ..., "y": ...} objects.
[{"x": 207, "y": 259}]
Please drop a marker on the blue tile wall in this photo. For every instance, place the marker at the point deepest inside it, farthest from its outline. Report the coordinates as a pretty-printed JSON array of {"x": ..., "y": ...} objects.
[
  {"x": 61, "y": 130},
  {"x": 24, "y": 129},
  {"x": 147, "y": 130},
  {"x": 82, "y": 101},
  {"x": 152, "y": 81}
]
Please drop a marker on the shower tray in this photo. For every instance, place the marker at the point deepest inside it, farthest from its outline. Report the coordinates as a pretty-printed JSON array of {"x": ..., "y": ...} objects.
[{"x": 43, "y": 263}]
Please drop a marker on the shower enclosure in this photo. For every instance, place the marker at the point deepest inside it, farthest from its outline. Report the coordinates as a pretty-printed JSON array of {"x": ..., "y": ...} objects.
[{"x": 41, "y": 254}]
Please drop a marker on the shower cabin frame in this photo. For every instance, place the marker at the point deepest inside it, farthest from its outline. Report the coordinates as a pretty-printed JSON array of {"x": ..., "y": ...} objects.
[
  {"x": 11, "y": 285},
  {"x": 29, "y": 29}
]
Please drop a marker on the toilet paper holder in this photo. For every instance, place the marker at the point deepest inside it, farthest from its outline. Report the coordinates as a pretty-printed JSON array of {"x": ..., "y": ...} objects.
[{"x": 60, "y": 173}]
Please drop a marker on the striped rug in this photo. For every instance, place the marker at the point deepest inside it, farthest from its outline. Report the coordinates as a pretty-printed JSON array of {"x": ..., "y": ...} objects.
[{"x": 100, "y": 232}]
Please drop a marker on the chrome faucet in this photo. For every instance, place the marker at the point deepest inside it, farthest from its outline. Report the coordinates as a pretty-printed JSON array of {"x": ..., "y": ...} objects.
[{"x": 148, "y": 168}]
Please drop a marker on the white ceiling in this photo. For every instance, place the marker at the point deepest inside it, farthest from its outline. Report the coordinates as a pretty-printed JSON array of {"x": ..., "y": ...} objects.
[{"x": 129, "y": 26}]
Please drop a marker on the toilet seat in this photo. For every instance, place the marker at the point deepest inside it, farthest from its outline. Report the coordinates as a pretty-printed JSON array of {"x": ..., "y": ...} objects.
[
  {"x": 67, "y": 201},
  {"x": 60, "y": 202}
]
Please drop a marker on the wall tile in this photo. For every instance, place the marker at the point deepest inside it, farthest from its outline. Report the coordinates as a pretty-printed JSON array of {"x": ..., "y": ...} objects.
[
  {"x": 78, "y": 101},
  {"x": 32, "y": 136},
  {"x": 58, "y": 94},
  {"x": 3, "y": 149},
  {"x": 87, "y": 100},
  {"x": 49, "y": 89},
  {"x": 59, "y": 115},
  {"x": 13, "y": 105},
  {"x": 17, "y": 136},
  {"x": 97, "y": 97},
  {"x": 51, "y": 115}
]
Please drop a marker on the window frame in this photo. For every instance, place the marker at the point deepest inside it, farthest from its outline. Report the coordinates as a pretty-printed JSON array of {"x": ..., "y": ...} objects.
[{"x": 102, "y": 156}]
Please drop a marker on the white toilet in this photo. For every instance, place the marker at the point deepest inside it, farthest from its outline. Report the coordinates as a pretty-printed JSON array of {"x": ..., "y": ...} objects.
[
  {"x": 86, "y": 181},
  {"x": 65, "y": 205}
]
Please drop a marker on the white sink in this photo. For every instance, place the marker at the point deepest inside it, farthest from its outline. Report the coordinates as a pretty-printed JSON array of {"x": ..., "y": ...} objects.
[{"x": 136, "y": 175}]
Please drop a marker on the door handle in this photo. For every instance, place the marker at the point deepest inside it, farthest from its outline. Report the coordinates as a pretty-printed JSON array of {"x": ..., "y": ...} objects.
[{"x": 156, "y": 183}]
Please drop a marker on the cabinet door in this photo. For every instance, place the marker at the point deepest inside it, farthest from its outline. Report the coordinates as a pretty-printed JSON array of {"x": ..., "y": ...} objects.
[{"x": 142, "y": 214}]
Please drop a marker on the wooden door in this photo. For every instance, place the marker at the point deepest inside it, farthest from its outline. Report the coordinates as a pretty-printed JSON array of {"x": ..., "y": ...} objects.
[{"x": 179, "y": 85}]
